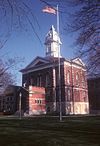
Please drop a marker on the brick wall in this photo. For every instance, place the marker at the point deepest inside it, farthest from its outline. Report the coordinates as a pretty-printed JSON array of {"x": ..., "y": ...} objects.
[{"x": 37, "y": 103}]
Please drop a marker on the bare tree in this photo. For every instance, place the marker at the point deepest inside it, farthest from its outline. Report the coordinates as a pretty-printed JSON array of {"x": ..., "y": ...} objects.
[
  {"x": 6, "y": 77},
  {"x": 86, "y": 22},
  {"x": 5, "y": 80},
  {"x": 14, "y": 15}
]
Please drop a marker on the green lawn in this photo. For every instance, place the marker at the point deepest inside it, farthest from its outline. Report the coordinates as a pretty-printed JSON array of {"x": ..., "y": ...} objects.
[{"x": 72, "y": 131}]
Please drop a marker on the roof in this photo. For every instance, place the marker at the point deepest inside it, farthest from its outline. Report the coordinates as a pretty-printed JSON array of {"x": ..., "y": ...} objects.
[
  {"x": 45, "y": 62},
  {"x": 41, "y": 62}
]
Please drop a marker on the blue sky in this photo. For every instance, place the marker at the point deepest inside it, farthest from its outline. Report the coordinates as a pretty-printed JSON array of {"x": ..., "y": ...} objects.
[{"x": 26, "y": 45}]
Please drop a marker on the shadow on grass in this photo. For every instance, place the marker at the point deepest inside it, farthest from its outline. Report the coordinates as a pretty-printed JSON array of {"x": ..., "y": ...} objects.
[{"x": 50, "y": 132}]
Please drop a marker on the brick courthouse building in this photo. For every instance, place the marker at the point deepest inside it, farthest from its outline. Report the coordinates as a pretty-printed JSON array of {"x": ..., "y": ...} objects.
[{"x": 44, "y": 72}]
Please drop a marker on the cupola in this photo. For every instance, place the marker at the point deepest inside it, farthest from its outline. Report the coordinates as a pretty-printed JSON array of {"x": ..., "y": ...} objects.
[{"x": 52, "y": 42}]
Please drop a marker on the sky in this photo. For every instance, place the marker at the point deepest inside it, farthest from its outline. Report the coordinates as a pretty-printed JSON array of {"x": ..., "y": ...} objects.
[{"x": 25, "y": 44}]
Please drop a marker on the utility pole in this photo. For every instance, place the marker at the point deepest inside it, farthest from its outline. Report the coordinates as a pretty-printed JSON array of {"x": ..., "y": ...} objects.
[{"x": 60, "y": 102}]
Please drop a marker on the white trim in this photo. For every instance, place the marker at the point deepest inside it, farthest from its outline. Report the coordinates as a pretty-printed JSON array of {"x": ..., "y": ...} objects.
[
  {"x": 37, "y": 104},
  {"x": 52, "y": 65},
  {"x": 79, "y": 88},
  {"x": 41, "y": 68},
  {"x": 43, "y": 99},
  {"x": 35, "y": 61},
  {"x": 78, "y": 61},
  {"x": 73, "y": 65},
  {"x": 77, "y": 108},
  {"x": 67, "y": 63}
]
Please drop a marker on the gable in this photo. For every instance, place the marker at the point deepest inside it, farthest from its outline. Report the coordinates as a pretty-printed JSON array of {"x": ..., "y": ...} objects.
[
  {"x": 39, "y": 63},
  {"x": 78, "y": 61},
  {"x": 36, "y": 62}
]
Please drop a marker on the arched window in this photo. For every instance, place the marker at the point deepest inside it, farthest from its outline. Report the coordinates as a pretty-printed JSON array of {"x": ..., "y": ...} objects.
[
  {"x": 84, "y": 96},
  {"x": 83, "y": 80},
  {"x": 68, "y": 95},
  {"x": 77, "y": 78},
  {"x": 68, "y": 77}
]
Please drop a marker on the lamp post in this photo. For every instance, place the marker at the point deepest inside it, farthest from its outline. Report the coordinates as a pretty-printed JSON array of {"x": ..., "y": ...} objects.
[{"x": 20, "y": 98}]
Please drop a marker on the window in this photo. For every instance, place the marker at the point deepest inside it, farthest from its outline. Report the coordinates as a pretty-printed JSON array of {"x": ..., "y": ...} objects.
[
  {"x": 7, "y": 98},
  {"x": 68, "y": 95},
  {"x": 31, "y": 81},
  {"x": 11, "y": 98},
  {"x": 84, "y": 96},
  {"x": 83, "y": 80},
  {"x": 77, "y": 95},
  {"x": 48, "y": 49},
  {"x": 39, "y": 81},
  {"x": 47, "y": 80},
  {"x": 57, "y": 78},
  {"x": 38, "y": 101},
  {"x": 68, "y": 77},
  {"x": 77, "y": 78}
]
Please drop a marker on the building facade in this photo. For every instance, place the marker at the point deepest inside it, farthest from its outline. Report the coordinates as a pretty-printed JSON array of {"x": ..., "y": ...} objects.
[
  {"x": 10, "y": 100},
  {"x": 64, "y": 80},
  {"x": 94, "y": 94}
]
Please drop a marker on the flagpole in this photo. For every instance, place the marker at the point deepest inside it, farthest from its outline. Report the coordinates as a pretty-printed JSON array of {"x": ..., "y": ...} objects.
[{"x": 59, "y": 76}]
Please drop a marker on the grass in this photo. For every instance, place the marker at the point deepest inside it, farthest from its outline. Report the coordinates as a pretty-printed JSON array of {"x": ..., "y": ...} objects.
[{"x": 72, "y": 131}]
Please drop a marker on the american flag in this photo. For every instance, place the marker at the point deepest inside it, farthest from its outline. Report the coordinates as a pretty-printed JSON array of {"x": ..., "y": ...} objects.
[{"x": 49, "y": 10}]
